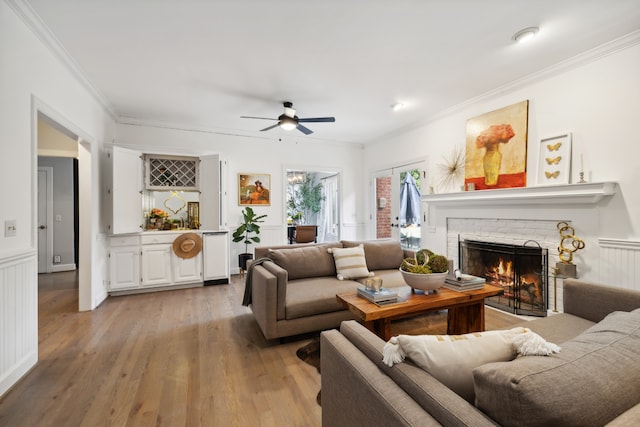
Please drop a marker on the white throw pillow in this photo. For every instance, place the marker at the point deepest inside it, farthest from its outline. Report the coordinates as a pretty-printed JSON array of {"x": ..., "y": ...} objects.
[
  {"x": 451, "y": 358},
  {"x": 350, "y": 262}
]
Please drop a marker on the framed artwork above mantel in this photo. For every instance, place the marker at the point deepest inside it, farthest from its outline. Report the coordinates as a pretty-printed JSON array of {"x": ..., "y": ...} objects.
[{"x": 496, "y": 148}]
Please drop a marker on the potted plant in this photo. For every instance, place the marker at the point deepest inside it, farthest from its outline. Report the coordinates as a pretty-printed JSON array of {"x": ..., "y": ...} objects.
[
  {"x": 305, "y": 199},
  {"x": 245, "y": 233},
  {"x": 425, "y": 271}
]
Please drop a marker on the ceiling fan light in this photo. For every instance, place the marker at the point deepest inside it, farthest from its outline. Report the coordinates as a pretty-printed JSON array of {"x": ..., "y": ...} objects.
[{"x": 287, "y": 123}]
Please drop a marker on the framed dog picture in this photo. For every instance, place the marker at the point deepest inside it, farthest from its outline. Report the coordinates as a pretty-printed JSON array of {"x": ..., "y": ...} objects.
[{"x": 254, "y": 189}]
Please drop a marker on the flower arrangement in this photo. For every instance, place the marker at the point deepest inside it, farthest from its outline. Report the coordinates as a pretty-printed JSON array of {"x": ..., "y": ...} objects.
[
  {"x": 158, "y": 213},
  {"x": 425, "y": 262},
  {"x": 495, "y": 134}
]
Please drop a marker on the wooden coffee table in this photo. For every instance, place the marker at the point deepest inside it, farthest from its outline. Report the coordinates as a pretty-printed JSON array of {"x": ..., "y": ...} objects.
[{"x": 465, "y": 309}]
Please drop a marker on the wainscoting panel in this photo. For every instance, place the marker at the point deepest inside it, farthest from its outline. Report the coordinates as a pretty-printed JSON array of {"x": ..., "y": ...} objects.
[
  {"x": 620, "y": 263},
  {"x": 18, "y": 317}
]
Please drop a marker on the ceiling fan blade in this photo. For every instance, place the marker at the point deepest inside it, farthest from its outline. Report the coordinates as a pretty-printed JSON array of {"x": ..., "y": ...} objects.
[
  {"x": 304, "y": 130},
  {"x": 317, "y": 119},
  {"x": 261, "y": 118},
  {"x": 270, "y": 127}
]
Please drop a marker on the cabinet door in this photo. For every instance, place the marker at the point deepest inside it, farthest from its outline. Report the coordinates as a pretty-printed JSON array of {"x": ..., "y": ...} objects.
[
  {"x": 216, "y": 256},
  {"x": 210, "y": 218},
  {"x": 156, "y": 265},
  {"x": 126, "y": 191},
  {"x": 187, "y": 270},
  {"x": 124, "y": 267}
]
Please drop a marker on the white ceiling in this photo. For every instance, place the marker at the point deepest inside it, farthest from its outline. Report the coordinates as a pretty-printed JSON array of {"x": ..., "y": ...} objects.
[{"x": 203, "y": 63}]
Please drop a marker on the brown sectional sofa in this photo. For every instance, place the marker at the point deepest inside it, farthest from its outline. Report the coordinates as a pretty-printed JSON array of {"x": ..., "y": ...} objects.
[
  {"x": 294, "y": 292},
  {"x": 593, "y": 381}
]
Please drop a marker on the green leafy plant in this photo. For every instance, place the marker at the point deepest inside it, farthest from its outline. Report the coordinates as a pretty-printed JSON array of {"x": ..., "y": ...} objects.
[
  {"x": 249, "y": 226},
  {"x": 305, "y": 199},
  {"x": 425, "y": 262}
]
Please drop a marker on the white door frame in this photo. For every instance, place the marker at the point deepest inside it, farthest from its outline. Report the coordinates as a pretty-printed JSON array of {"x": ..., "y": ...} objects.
[
  {"x": 312, "y": 168},
  {"x": 45, "y": 255},
  {"x": 394, "y": 171},
  {"x": 89, "y": 295}
]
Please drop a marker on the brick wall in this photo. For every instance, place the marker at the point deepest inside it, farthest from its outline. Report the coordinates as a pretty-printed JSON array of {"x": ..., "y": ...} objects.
[{"x": 383, "y": 216}]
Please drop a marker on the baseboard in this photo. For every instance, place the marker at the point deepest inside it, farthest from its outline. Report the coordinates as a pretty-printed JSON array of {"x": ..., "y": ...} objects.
[
  {"x": 56, "y": 268},
  {"x": 10, "y": 378}
]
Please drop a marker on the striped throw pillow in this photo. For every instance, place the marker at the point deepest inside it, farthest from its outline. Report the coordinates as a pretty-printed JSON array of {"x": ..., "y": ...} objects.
[{"x": 350, "y": 262}]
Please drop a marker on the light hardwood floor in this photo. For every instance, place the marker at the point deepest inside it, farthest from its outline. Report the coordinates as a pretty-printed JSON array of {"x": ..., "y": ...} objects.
[{"x": 190, "y": 357}]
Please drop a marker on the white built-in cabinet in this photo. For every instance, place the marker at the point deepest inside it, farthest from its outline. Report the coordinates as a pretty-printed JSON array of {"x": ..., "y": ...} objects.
[
  {"x": 146, "y": 260},
  {"x": 124, "y": 263},
  {"x": 142, "y": 260},
  {"x": 124, "y": 191},
  {"x": 156, "y": 265},
  {"x": 215, "y": 256}
]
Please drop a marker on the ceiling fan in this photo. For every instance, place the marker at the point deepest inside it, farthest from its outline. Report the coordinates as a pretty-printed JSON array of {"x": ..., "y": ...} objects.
[{"x": 289, "y": 120}]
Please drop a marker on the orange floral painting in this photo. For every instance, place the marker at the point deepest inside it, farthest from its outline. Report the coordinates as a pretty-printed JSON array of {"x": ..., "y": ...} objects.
[{"x": 496, "y": 148}]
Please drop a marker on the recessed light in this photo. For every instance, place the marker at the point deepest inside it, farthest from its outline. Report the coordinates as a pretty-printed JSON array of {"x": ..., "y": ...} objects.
[
  {"x": 397, "y": 106},
  {"x": 525, "y": 34}
]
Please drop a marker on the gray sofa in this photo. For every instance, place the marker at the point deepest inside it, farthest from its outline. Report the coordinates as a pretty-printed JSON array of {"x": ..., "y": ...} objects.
[
  {"x": 593, "y": 381},
  {"x": 294, "y": 291}
]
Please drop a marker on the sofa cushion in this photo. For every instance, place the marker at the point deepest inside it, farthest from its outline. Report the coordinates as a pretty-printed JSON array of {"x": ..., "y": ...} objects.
[
  {"x": 559, "y": 327},
  {"x": 312, "y": 296},
  {"x": 305, "y": 261},
  {"x": 350, "y": 263},
  {"x": 384, "y": 254},
  {"x": 568, "y": 388},
  {"x": 451, "y": 358}
]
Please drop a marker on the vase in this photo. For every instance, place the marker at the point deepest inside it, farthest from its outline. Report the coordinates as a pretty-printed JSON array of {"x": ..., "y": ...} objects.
[{"x": 491, "y": 163}]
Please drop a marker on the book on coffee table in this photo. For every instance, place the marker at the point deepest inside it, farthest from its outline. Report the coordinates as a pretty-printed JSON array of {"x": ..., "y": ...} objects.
[
  {"x": 464, "y": 288},
  {"x": 382, "y": 296},
  {"x": 464, "y": 282}
]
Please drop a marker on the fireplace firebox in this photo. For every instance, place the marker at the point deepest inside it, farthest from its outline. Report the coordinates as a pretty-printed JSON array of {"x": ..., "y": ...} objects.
[{"x": 521, "y": 271}]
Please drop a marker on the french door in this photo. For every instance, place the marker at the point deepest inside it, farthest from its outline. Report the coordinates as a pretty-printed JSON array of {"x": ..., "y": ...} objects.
[{"x": 398, "y": 209}]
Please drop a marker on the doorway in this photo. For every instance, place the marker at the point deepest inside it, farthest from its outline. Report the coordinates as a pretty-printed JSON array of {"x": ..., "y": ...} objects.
[
  {"x": 398, "y": 208},
  {"x": 78, "y": 143},
  {"x": 313, "y": 198}
]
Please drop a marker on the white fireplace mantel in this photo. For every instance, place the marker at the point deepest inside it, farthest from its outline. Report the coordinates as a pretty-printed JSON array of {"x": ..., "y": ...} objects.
[{"x": 587, "y": 193}]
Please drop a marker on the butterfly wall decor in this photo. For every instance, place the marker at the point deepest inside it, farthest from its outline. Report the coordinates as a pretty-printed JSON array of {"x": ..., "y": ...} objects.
[{"x": 554, "y": 160}]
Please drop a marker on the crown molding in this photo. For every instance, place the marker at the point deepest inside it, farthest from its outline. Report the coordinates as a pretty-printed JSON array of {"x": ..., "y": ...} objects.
[
  {"x": 589, "y": 56},
  {"x": 39, "y": 28}
]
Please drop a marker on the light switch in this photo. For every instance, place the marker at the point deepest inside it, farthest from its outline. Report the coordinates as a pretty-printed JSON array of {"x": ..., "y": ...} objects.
[
  {"x": 58, "y": 218},
  {"x": 10, "y": 228}
]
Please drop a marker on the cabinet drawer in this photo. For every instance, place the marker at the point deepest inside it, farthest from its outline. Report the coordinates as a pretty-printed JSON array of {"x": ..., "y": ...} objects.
[
  {"x": 124, "y": 241},
  {"x": 152, "y": 239}
]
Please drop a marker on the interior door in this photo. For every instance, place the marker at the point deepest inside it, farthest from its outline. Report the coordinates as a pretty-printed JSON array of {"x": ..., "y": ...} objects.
[{"x": 398, "y": 209}]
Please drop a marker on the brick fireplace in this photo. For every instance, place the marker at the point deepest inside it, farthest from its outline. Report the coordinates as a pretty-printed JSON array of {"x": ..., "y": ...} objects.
[{"x": 516, "y": 216}]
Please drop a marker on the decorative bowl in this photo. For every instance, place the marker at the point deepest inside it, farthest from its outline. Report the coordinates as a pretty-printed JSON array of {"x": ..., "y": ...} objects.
[{"x": 424, "y": 282}]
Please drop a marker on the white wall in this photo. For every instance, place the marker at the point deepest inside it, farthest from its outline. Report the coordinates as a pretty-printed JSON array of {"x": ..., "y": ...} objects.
[
  {"x": 30, "y": 75},
  {"x": 270, "y": 155},
  {"x": 597, "y": 99}
]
